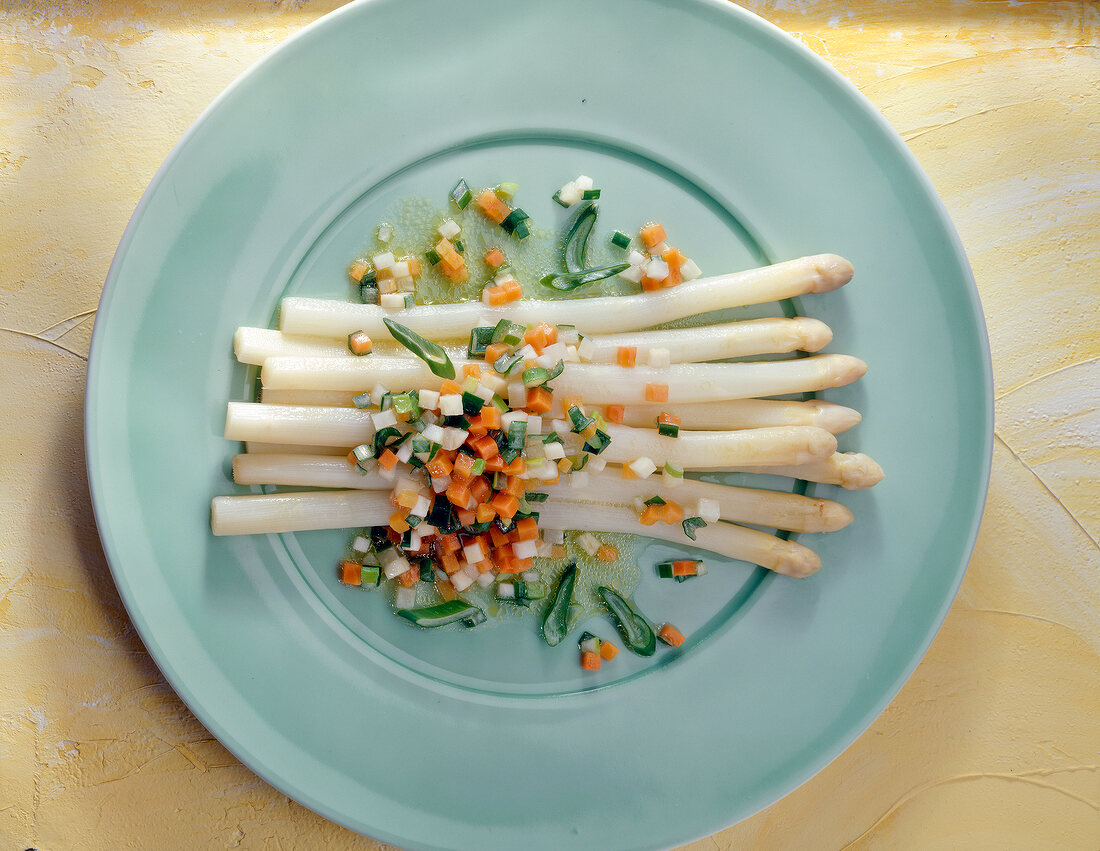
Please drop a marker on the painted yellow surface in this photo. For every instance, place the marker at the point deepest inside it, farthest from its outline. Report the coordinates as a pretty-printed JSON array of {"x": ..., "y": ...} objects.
[{"x": 993, "y": 743}]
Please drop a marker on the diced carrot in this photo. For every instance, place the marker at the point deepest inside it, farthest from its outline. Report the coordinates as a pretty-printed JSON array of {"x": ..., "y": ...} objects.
[
  {"x": 628, "y": 473},
  {"x": 626, "y": 355},
  {"x": 614, "y": 413},
  {"x": 456, "y": 276},
  {"x": 463, "y": 467},
  {"x": 387, "y": 460},
  {"x": 397, "y": 522},
  {"x": 448, "y": 544},
  {"x": 359, "y": 343},
  {"x": 449, "y": 563},
  {"x": 564, "y": 465},
  {"x": 685, "y": 568},
  {"x": 539, "y": 400},
  {"x": 589, "y": 431},
  {"x": 466, "y": 516},
  {"x": 410, "y": 577},
  {"x": 494, "y": 350},
  {"x": 656, "y": 392},
  {"x": 484, "y": 566},
  {"x": 458, "y": 494},
  {"x": 558, "y": 551},
  {"x": 351, "y": 573},
  {"x": 439, "y": 467},
  {"x": 480, "y": 490},
  {"x": 485, "y": 447},
  {"x": 352, "y": 459},
  {"x": 476, "y": 427},
  {"x": 494, "y": 257},
  {"x": 652, "y": 234},
  {"x": 414, "y": 265},
  {"x": 496, "y": 296},
  {"x": 471, "y": 370},
  {"x": 607, "y": 553},
  {"x": 670, "y": 513},
  {"x": 498, "y": 538},
  {"x": 650, "y": 284},
  {"x": 649, "y": 515},
  {"x": 450, "y": 387},
  {"x": 505, "y": 504},
  {"x": 512, "y": 290},
  {"x": 492, "y": 207},
  {"x": 665, "y": 418},
  {"x": 490, "y": 416},
  {"x": 507, "y": 564},
  {"x": 407, "y": 498},
  {"x": 357, "y": 270},
  {"x": 572, "y": 402},
  {"x": 670, "y": 635},
  {"x": 536, "y": 337},
  {"x": 516, "y": 486},
  {"x": 608, "y": 651},
  {"x": 527, "y": 529},
  {"x": 524, "y": 564},
  {"x": 590, "y": 660},
  {"x": 494, "y": 464},
  {"x": 384, "y": 274},
  {"x": 516, "y": 468},
  {"x": 446, "y": 590}
]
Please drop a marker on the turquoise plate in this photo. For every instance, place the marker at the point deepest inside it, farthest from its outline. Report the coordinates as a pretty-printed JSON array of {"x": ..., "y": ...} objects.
[{"x": 748, "y": 147}]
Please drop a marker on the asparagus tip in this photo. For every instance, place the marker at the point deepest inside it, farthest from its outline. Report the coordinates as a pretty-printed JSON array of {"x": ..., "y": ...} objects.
[
  {"x": 815, "y": 334},
  {"x": 833, "y": 417},
  {"x": 859, "y": 471},
  {"x": 833, "y": 271},
  {"x": 792, "y": 559}
]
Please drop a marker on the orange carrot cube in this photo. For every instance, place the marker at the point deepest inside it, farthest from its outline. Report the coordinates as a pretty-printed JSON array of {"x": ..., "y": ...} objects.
[
  {"x": 590, "y": 660},
  {"x": 351, "y": 573},
  {"x": 656, "y": 392},
  {"x": 626, "y": 355},
  {"x": 608, "y": 651},
  {"x": 670, "y": 635},
  {"x": 494, "y": 257},
  {"x": 652, "y": 234},
  {"x": 614, "y": 413},
  {"x": 492, "y": 207}
]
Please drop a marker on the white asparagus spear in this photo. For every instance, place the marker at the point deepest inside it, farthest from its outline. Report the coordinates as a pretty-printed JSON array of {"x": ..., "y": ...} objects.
[
  {"x": 704, "y": 343},
  {"x": 774, "y": 509},
  {"x": 298, "y": 424},
  {"x": 348, "y": 427},
  {"x": 701, "y": 416},
  {"x": 715, "y": 342},
  {"x": 693, "y": 449},
  {"x": 259, "y": 447},
  {"x": 747, "y": 413},
  {"x": 693, "y": 382},
  {"x": 850, "y": 470},
  {"x": 601, "y": 315},
  {"x": 751, "y": 545},
  {"x": 296, "y": 512},
  {"x": 255, "y": 345}
]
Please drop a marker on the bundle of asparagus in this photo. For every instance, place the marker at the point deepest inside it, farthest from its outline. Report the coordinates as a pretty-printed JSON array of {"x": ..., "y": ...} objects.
[{"x": 306, "y": 418}]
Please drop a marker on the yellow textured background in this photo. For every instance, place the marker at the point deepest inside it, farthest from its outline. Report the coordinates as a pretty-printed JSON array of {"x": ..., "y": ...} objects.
[{"x": 993, "y": 743}]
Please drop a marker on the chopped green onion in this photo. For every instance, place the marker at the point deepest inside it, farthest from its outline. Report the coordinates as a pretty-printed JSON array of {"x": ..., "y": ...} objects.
[
  {"x": 556, "y": 370},
  {"x": 363, "y": 452},
  {"x": 655, "y": 500},
  {"x": 405, "y": 403},
  {"x": 590, "y": 194},
  {"x": 673, "y": 469},
  {"x": 368, "y": 294},
  {"x": 535, "y": 376},
  {"x": 536, "y": 496},
  {"x": 479, "y": 466},
  {"x": 635, "y": 629},
  {"x": 461, "y": 194},
  {"x": 598, "y": 442},
  {"x": 460, "y": 246},
  {"x": 517, "y": 434},
  {"x": 553, "y": 437},
  {"x": 580, "y": 421},
  {"x": 572, "y": 280},
  {"x": 480, "y": 338},
  {"x": 412, "y": 519},
  {"x": 557, "y": 198},
  {"x": 575, "y": 235},
  {"x": 668, "y": 429},
  {"x": 431, "y": 353},
  {"x": 426, "y": 574},
  {"x": 500, "y": 404},
  {"x": 620, "y": 239},
  {"x": 506, "y": 191},
  {"x": 664, "y": 570},
  {"x": 506, "y": 363},
  {"x": 361, "y": 400},
  {"x": 691, "y": 524},
  {"x": 432, "y": 256},
  {"x": 471, "y": 404},
  {"x": 442, "y": 613},
  {"x": 515, "y": 221},
  {"x": 508, "y": 332},
  {"x": 556, "y": 625},
  {"x": 372, "y": 574}
]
